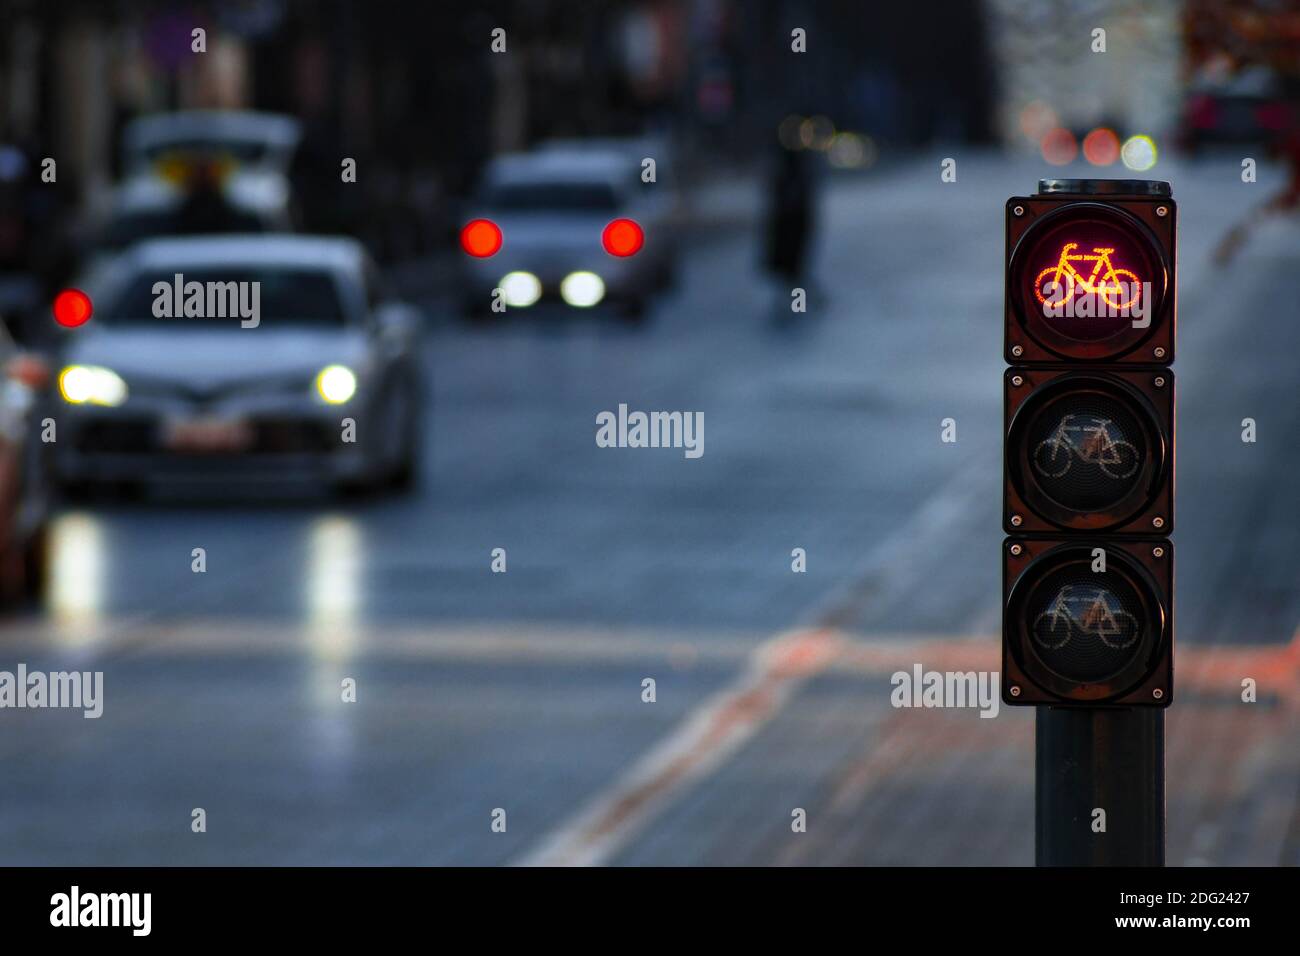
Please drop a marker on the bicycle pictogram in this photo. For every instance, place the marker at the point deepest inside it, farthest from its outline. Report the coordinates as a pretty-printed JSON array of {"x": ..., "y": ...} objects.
[
  {"x": 1086, "y": 438},
  {"x": 1055, "y": 285},
  {"x": 1085, "y": 612}
]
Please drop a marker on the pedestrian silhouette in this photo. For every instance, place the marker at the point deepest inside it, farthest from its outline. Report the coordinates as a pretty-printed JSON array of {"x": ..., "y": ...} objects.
[{"x": 790, "y": 214}]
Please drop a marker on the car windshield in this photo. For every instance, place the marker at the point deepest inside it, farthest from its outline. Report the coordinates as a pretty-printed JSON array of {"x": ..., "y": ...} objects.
[
  {"x": 553, "y": 197},
  {"x": 205, "y": 298}
]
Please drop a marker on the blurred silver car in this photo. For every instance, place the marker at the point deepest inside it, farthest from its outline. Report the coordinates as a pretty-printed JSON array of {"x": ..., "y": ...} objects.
[
  {"x": 171, "y": 160},
  {"x": 323, "y": 382},
  {"x": 552, "y": 207}
]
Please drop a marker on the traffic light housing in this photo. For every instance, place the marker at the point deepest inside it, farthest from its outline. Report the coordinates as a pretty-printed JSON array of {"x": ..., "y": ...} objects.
[
  {"x": 1089, "y": 449},
  {"x": 1089, "y": 444},
  {"x": 1077, "y": 635},
  {"x": 1136, "y": 221}
]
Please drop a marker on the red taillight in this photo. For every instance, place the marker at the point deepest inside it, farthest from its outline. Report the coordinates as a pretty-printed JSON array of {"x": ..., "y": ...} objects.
[
  {"x": 623, "y": 238},
  {"x": 72, "y": 308},
  {"x": 481, "y": 238}
]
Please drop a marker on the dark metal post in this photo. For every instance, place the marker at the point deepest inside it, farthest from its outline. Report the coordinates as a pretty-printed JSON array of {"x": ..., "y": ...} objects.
[{"x": 1089, "y": 759}]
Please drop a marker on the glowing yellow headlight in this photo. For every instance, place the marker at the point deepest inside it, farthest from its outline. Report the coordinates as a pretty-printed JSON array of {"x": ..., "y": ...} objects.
[
  {"x": 82, "y": 384},
  {"x": 336, "y": 384}
]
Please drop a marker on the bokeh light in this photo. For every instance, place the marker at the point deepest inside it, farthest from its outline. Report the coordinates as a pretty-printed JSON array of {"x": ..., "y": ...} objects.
[
  {"x": 1037, "y": 119},
  {"x": 852, "y": 151},
  {"x": 1139, "y": 153},
  {"x": 622, "y": 237},
  {"x": 481, "y": 238},
  {"x": 1059, "y": 146},
  {"x": 788, "y": 132},
  {"x": 816, "y": 132},
  {"x": 72, "y": 308},
  {"x": 1101, "y": 147}
]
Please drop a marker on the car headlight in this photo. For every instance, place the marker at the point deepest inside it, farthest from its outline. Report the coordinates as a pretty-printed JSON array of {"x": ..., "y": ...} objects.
[
  {"x": 93, "y": 384},
  {"x": 336, "y": 384},
  {"x": 520, "y": 289},
  {"x": 582, "y": 289}
]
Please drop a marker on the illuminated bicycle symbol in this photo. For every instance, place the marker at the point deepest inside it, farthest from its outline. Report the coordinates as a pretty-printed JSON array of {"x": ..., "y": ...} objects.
[
  {"x": 1085, "y": 612},
  {"x": 1090, "y": 443},
  {"x": 1103, "y": 279}
]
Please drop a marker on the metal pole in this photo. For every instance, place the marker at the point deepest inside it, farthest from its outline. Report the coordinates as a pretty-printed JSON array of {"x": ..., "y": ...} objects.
[{"x": 1093, "y": 759}]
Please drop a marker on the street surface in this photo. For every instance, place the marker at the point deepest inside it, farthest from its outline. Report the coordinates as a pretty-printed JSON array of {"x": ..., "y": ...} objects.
[{"x": 523, "y": 690}]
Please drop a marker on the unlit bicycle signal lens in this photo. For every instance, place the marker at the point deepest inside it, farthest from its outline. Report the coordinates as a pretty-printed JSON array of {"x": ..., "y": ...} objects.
[
  {"x": 1089, "y": 450},
  {"x": 622, "y": 237},
  {"x": 481, "y": 238},
  {"x": 1078, "y": 633}
]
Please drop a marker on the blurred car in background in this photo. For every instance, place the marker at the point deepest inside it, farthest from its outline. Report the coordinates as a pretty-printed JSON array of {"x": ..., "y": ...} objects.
[
  {"x": 24, "y": 474},
  {"x": 202, "y": 171},
  {"x": 552, "y": 207},
  {"x": 1244, "y": 108},
  {"x": 150, "y": 399},
  {"x": 664, "y": 196}
]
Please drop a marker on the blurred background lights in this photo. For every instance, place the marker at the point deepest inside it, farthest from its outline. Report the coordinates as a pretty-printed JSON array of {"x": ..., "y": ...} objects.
[
  {"x": 582, "y": 289},
  {"x": 622, "y": 237},
  {"x": 851, "y": 151},
  {"x": 1037, "y": 119},
  {"x": 481, "y": 238},
  {"x": 788, "y": 132},
  {"x": 520, "y": 289},
  {"x": 1059, "y": 146},
  {"x": 1139, "y": 153},
  {"x": 1101, "y": 147},
  {"x": 816, "y": 132}
]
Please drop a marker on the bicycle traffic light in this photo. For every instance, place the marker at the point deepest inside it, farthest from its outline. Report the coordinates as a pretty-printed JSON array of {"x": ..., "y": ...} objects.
[
  {"x": 1090, "y": 273},
  {"x": 1089, "y": 444},
  {"x": 1089, "y": 450},
  {"x": 1074, "y": 634}
]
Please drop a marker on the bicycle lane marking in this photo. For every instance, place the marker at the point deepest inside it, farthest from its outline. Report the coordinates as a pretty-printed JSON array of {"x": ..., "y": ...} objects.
[{"x": 728, "y": 719}]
